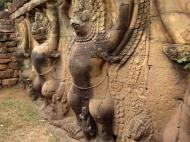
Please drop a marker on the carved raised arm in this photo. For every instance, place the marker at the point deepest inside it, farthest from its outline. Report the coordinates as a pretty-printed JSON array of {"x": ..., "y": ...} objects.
[
  {"x": 63, "y": 6},
  {"x": 52, "y": 15},
  {"x": 123, "y": 20},
  {"x": 117, "y": 32}
]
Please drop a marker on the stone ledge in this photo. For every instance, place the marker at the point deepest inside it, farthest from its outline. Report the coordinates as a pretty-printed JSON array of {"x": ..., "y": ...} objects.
[
  {"x": 5, "y": 56},
  {"x": 4, "y": 61},
  {"x": 10, "y": 81},
  {"x": 6, "y": 73},
  {"x": 26, "y": 8},
  {"x": 3, "y": 67}
]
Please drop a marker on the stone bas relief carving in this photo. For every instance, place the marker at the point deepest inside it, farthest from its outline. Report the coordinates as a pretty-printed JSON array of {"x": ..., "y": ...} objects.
[
  {"x": 91, "y": 53},
  {"x": 98, "y": 53},
  {"x": 105, "y": 59},
  {"x": 41, "y": 56},
  {"x": 40, "y": 27}
]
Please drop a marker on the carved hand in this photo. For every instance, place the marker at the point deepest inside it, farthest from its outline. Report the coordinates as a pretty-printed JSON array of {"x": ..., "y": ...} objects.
[{"x": 63, "y": 3}]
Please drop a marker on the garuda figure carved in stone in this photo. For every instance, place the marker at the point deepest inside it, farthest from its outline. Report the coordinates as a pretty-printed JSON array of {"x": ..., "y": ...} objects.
[
  {"x": 105, "y": 57},
  {"x": 97, "y": 53},
  {"x": 39, "y": 37}
]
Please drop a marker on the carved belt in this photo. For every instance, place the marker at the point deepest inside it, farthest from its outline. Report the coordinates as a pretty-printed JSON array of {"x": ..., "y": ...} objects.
[
  {"x": 90, "y": 87},
  {"x": 46, "y": 72}
]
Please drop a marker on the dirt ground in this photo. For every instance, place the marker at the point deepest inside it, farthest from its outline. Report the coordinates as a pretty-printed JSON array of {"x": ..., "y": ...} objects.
[{"x": 20, "y": 121}]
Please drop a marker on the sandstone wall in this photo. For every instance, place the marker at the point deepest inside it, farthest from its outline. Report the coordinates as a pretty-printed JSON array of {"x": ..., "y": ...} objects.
[
  {"x": 9, "y": 67},
  {"x": 145, "y": 86}
]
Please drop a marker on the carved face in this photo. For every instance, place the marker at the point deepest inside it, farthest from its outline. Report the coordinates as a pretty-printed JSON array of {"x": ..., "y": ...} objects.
[{"x": 81, "y": 22}]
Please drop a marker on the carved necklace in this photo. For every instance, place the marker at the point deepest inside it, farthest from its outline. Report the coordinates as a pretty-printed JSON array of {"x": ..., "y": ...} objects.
[
  {"x": 90, "y": 87},
  {"x": 90, "y": 35},
  {"x": 46, "y": 72}
]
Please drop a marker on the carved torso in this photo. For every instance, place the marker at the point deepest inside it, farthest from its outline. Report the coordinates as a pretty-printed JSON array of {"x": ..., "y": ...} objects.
[
  {"x": 83, "y": 62},
  {"x": 40, "y": 61}
]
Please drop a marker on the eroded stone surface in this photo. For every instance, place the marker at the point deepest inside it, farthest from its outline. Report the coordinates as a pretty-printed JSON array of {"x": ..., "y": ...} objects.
[
  {"x": 119, "y": 80},
  {"x": 4, "y": 61},
  {"x": 3, "y": 66},
  {"x": 9, "y": 82},
  {"x": 6, "y": 73}
]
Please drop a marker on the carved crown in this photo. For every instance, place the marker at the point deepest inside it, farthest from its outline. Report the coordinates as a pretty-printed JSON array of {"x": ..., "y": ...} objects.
[{"x": 97, "y": 9}]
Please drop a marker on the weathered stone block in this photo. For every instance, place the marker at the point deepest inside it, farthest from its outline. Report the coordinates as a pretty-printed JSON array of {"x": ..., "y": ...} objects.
[
  {"x": 16, "y": 73},
  {"x": 5, "y": 56},
  {"x": 11, "y": 49},
  {"x": 11, "y": 81},
  {"x": 3, "y": 50},
  {"x": 3, "y": 67},
  {"x": 11, "y": 37},
  {"x": 4, "y": 15},
  {"x": 11, "y": 44},
  {"x": 4, "y": 61},
  {"x": 5, "y": 22},
  {"x": 8, "y": 62},
  {"x": 6, "y": 74},
  {"x": 14, "y": 65},
  {"x": 14, "y": 59},
  {"x": 6, "y": 28},
  {"x": 3, "y": 37}
]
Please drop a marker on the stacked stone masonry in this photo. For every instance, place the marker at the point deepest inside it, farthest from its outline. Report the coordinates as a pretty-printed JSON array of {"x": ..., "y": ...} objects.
[{"x": 9, "y": 67}]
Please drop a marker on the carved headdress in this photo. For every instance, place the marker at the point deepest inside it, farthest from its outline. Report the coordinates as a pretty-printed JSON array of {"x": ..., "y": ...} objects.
[
  {"x": 80, "y": 5},
  {"x": 96, "y": 8}
]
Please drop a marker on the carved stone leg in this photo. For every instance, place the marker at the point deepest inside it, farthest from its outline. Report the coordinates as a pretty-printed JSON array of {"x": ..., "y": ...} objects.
[
  {"x": 102, "y": 112},
  {"x": 37, "y": 86},
  {"x": 49, "y": 87},
  {"x": 75, "y": 102},
  {"x": 104, "y": 133}
]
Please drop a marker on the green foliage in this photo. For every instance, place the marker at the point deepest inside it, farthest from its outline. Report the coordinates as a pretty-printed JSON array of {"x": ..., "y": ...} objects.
[
  {"x": 3, "y": 4},
  {"x": 54, "y": 139},
  {"x": 182, "y": 60},
  {"x": 184, "y": 57}
]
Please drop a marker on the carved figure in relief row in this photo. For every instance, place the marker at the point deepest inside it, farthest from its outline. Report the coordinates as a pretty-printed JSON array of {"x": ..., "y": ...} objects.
[
  {"x": 23, "y": 54},
  {"x": 42, "y": 57},
  {"x": 45, "y": 57},
  {"x": 93, "y": 45},
  {"x": 96, "y": 48}
]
